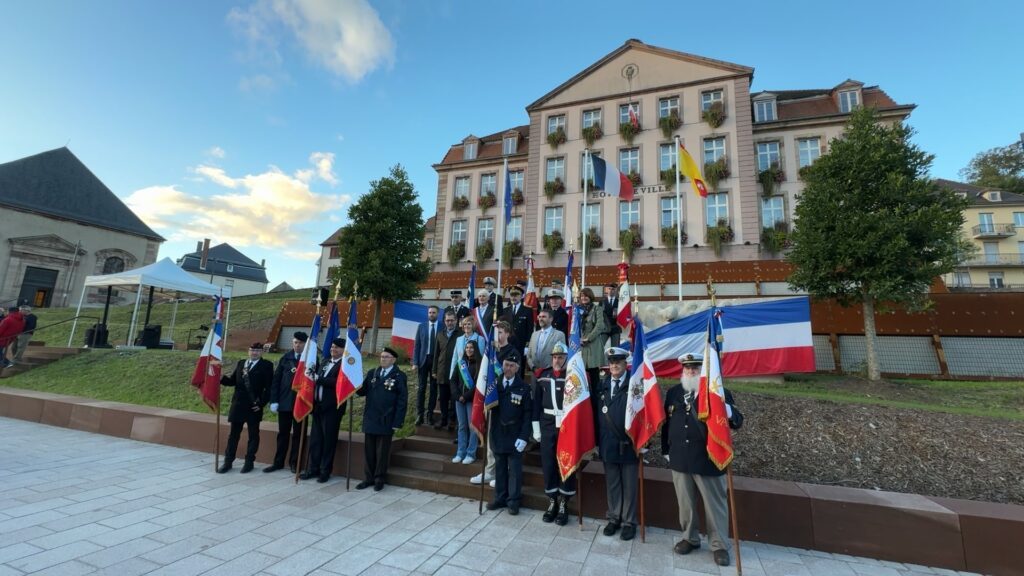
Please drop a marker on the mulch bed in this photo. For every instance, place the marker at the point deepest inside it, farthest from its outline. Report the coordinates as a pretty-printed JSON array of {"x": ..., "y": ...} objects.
[{"x": 880, "y": 448}]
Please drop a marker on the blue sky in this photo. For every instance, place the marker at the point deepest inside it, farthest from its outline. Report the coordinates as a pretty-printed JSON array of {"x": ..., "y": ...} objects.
[{"x": 258, "y": 122}]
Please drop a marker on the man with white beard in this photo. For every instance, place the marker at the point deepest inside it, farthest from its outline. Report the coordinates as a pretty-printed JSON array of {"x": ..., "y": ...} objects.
[{"x": 684, "y": 445}]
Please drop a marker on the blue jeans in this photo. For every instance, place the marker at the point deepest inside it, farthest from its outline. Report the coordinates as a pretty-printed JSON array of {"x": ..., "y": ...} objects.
[{"x": 467, "y": 438}]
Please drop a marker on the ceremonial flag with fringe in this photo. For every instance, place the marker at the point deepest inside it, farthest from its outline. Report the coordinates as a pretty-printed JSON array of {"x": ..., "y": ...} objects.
[
  {"x": 350, "y": 377},
  {"x": 646, "y": 409},
  {"x": 206, "y": 377},
  {"x": 486, "y": 396},
  {"x": 305, "y": 374},
  {"x": 576, "y": 437},
  {"x": 711, "y": 407}
]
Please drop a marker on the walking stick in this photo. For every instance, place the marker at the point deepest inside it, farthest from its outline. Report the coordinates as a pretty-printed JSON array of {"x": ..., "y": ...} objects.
[
  {"x": 643, "y": 533},
  {"x": 302, "y": 442},
  {"x": 732, "y": 515},
  {"x": 348, "y": 450},
  {"x": 483, "y": 467}
]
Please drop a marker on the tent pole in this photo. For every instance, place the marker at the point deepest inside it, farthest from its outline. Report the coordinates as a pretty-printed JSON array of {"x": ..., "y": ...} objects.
[
  {"x": 135, "y": 313},
  {"x": 77, "y": 312},
  {"x": 174, "y": 316},
  {"x": 227, "y": 321}
]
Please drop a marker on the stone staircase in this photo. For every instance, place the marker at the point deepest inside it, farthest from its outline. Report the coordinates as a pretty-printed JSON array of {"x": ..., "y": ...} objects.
[{"x": 37, "y": 355}]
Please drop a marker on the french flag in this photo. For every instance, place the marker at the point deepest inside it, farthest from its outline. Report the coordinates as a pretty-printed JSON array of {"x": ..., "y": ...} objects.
[
  {"x": 765, "y": 337},
  {"x": 613, "y": 182},
  {"x": 408, "y": 317}
]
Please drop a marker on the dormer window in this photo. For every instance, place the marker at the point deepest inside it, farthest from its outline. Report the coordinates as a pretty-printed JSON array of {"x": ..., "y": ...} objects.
[
  {"x": 231, "y": 267},
  {"x": 848, "y": 100},
  {"x": 764, "y": 110},
  {"x": 508, "y": 145},
  {"x": 994, "y": 196},
  {"x": 469, "y": 151}
]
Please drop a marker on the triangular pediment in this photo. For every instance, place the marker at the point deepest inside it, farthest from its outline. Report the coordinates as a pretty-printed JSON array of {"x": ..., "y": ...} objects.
[
  {"x": 653, "y": 67},
  {"x": 50, "y": 242}
]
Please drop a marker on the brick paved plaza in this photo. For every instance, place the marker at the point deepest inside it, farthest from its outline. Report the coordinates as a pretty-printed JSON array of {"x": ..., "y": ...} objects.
[{"x": 79, "y": 503}]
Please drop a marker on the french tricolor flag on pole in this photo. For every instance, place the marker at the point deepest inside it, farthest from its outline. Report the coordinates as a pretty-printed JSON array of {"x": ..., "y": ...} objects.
[
  {"x": 613, "y": 182},
  {"x": 766, "y": 337},
  {"x": 408, "y": 316}
]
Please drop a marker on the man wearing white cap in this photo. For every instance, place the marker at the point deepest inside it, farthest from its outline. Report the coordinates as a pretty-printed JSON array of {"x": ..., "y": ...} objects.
[{"x": 684, "y": 444}]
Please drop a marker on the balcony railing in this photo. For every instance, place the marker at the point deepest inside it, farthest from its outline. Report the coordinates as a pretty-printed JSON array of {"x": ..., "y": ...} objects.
[
  {"x": 993, "y": 230},
  {"x": 997, "y": 259}
]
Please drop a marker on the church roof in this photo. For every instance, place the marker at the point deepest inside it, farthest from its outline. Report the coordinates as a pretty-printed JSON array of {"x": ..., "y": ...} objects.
[{"x": 56, "y": 183}]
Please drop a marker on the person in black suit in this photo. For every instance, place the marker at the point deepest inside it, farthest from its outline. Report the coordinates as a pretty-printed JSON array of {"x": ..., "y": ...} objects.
[
  {"x": 683, "y": 443},
  {"x": 424, "y": 350},
  {"x": 252, "y": 380},
  {"x": 617, "y": 452},
  {"x": 520, "y": 318},
  {"x": 485, "y": 310},
  {"x": 559, "y": 316},
  {"x": 323, "y": 434},
  {"x": 510, "y": 427},
  {"x": 387, "y": 395},
  {"x": 610, "y": 304},
  {"x": 457, "y": 307},
  {"x": 282, "y": 401}
]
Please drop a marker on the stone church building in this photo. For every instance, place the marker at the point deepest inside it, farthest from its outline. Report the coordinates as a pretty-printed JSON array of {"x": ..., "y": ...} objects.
[{"x": 58, "y": 224}]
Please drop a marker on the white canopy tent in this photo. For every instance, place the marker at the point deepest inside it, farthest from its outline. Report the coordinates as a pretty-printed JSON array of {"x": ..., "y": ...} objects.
[{"x": 163, "y": 274}]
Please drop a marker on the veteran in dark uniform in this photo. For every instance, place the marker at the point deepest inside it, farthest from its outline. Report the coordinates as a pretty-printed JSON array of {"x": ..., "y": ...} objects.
[
  {"x": 251, "y": 380},
  {"x": 387, "y": 395},
  {"x": 547, "y": 419},
  {"x": 559, "y": 315},
  {"x": 457, "y": 307},
  {"x": 684, "y": 444},
  {"x": 282, "y": 402},
  {"x": 510, "y": 426},
  {"x": 616, "y": 448},
  {"x": 520, "y": 317},
  {"x": 323, "y": 434}
]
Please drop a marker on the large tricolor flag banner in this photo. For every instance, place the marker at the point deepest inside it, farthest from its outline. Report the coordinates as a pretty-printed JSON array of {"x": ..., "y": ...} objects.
[
  {"x": 688, "y": 168},
  {"x": 765, "y": 337},
  {"x": 530, "y": 298},
  {"x": 407, "y": 319},
  {"x": 711, "y": 401},
  {"x": 613, "y": 182},
  {"x": 305, "y": 374},
  {"x": 206, "y": 377},
  {"x": 576, "y": 436},
  {"x": 350, "y": 377},
  {"x": 645, "y": 411},
  {"x": 486, "y": 396}
]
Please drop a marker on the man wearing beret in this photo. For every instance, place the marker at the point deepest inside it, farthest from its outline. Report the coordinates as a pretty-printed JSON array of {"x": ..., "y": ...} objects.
[
  {"x": 509, "y": 430},
  {"x": 386, "y": 396},
  {"x": 323, "y": 434},
  {"x": 617, "y": 451},
  {"x": 282, "y": 401},
  {"x": 251, "y": 380},
  {"x": 684, "y": 444}
]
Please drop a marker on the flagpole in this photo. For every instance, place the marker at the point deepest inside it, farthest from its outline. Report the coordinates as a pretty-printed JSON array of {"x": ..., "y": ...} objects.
[
  {"x": 223, "y": 350},
  {"x": 579, "y": 496},
  {"x": 643, "y": 532},
  {"x": 728, "y": 469},
  {"x": 504, "y": 230},
  {"x": 483, "y": 466},
  {"x": 679, "y": 228},
  {"x": 583, "y": 218},
  {"x": 348, "y": 447},
  {"x": 302, "y": 442}
]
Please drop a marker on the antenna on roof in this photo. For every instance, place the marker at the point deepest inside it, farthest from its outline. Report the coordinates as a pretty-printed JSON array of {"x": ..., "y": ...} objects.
[{"x": 68, "y": 142}]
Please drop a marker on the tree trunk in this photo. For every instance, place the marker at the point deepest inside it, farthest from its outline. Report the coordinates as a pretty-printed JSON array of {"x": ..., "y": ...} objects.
[
  {"x": 376, "y": 321},
  {"x": 874, "y": 374}
]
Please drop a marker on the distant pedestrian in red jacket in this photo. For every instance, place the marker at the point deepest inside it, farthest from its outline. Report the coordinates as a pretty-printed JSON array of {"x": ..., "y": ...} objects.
[{"x": 10, "y": 327}]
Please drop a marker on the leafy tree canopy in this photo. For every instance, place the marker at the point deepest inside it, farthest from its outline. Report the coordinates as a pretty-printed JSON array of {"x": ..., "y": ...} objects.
[{"x": 1001, "y": 168}]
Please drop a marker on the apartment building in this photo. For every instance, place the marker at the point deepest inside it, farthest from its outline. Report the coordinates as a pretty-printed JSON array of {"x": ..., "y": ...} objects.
[
  {"x": 752, "y": 147},
  {"x": 994, "y": 222}
]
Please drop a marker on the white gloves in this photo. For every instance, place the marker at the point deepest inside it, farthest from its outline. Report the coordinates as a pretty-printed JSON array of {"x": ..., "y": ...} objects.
[
  {"x": 520, "y": 445},
  {"x": 667, "y": 459},
  {"x": 728, "y": 411},
  {"x": 273, "y": 407},
  {"x": 536, "y": 431}
]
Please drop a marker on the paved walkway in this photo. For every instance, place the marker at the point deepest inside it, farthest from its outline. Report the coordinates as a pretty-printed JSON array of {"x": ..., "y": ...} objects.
[{"x": 79, "y": 503}]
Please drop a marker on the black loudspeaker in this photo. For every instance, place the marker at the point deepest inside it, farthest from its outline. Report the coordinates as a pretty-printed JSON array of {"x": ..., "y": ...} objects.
[
  {"x": 96, "y": 336},
  {"x": 150, "y": 337}
]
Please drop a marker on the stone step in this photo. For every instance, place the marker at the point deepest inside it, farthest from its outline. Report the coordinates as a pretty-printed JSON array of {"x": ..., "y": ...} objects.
[
  {"x": 533, "y": 496},
  {"x": 442, "y": 463},
  {"x": 444, "y": 446}
]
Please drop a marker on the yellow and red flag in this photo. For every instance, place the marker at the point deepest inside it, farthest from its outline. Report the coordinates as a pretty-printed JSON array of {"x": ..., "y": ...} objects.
[{"x": 689, "y": 168}]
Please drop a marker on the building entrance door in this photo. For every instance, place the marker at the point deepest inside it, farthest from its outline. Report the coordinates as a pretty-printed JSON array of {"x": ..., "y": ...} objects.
[{"x": 37, "y": 287}]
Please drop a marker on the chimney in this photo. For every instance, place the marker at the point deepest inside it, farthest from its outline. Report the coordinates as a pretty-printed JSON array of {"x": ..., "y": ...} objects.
[
  {"x": 199, "y": 246},
  {"x": 205, "y": 255},
  {"x": 263, "y": 263}
]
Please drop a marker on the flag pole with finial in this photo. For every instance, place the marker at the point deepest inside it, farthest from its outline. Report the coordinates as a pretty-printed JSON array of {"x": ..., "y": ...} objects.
[
  {"x": 352, "y": 301},
  {"x": 302, "y": 432}
]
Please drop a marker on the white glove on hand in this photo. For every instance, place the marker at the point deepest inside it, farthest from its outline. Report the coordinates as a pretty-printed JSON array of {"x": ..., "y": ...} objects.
[
  {"x": 536, "y": 431},
  {"x": 667, "y": 459},
  {"x": 273, "y": 407},
  {"x": 520, "y": 445},
  {"x": 728, "y": 411}
]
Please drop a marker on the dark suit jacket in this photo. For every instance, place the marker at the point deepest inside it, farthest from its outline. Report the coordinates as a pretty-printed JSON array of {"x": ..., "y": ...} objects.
[
  {"x": 386, "y": 400},
  {"x": 512, "y": 418},
  {"x": 423, "y": 347},
  {"x": 611, "y": 313},
  {"x": 487, "y": 317},
  {"x": 560, "y": 320},
  {"x": 684, "y": 436},
  {"x": 522, "y": 324},
  {"x": 325, "y": 392},
  {"x": 459, "y": 315},
  {"x": 281, "y": 388},
  {"x": 615, "y": 445},
  {"x": 252, "y": 390}
]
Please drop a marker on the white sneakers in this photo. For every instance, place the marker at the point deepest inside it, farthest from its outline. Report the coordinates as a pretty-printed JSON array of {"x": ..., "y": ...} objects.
[
  {"x": 456, "y": 460},
  {"x": 479, "y": 477},
  {"x": 468, "y": 460}
]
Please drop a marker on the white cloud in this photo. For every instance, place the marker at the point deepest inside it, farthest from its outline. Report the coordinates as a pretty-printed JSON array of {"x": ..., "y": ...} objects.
[
  {"x": 302, "y": 255},
  {"x": 216, "y": 152},
  {"x": 268, "y": 209},
  {"x": 324, "y": 162},
  {"x": 346, "y": 37}
]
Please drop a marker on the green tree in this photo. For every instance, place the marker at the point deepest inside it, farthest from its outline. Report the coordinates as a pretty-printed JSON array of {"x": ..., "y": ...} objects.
[
  {"x": 381, "y": 247},
  {"x": 1001, "y": 168},
  {"x": 871, "y": 227}
]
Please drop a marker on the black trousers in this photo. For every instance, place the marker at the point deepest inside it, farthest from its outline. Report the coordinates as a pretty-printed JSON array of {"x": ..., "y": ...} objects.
[
  {"x": 446, "y": 403},
  {"x": 253, "y": 423},
  {"x": 288, "y": 432},
  {"x": 508, "y": 478},
  {"x": 377, "y": 454},
  {"x": 323, "y": 438},
  {"x": 553, "y": 484},
  {"x": 426, "y": 381}
]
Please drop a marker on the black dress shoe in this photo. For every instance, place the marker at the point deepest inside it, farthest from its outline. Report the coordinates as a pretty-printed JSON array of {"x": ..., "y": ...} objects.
[
  {"x": 685, "y": 547},
  {"x": 628, "y": 532},
  {"x": 308, "y": 474},
  {"x": 721, "y": 557},
  {"x": 419, "y": 420},
  {"x": 323, "y": 478},
  {"x": 291, "y": 469},
  {"x": 247, "y": 467},
  {"x": 364, "y": 485},
  {"x": 610, "y": 528},
  {"x": 378, "y": 485},
  {"x": 273, "y": 468},
  {"x": 513, "y": 510},
  {"x": 496, "y": 505},
  {"x": 223, "y": 468}
]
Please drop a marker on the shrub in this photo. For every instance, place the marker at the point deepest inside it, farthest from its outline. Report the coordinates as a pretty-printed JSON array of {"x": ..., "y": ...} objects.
[
  {"x": 486, "y": 201},
  {"x": 556, "y": 186},
  {"x": 719, "y": 234},
  {"x": 557, "y": 137},
  {"x": 484, "y": 252},
  {"x": 670, "y": 124},
  {"x": 594, "y": 239},
  {"x": 714, "y": 115},
  {"x": 628, "y": 132},
  {"x": 715, "y": 172},
  {"x": 456, "y": 252},
  {"x": 630, "y": 239},
  {"x": 553, "y": 243},
  {"x": 512, "y": 250},
  {"x": 668, "y": 176},
  {"x": 668, "y": 237},
  {"x": 517, "y": 197},
  {"x": 634, "y": 178},
  {"x": 592, "y": 133},
  {"x": 460, "y": 203},
  {"x": 770, "y": 179}
]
